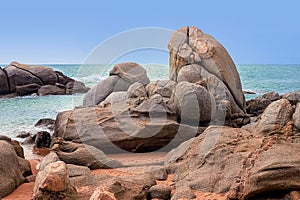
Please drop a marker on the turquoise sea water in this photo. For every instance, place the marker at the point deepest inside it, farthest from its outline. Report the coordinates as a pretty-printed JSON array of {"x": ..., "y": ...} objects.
[{"x": 22, "y": 113}]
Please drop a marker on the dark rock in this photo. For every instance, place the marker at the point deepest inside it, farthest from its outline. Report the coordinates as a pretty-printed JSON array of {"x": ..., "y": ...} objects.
[
  {"x": 257, "y": 106},
  {"x": 63, "y": 79},
  {"x": 248, "y": 92},
  {"x": 42, "y": 140},
  {"x": 23, "y": 134},
  {"x": 50, "y": 90},
  {"x": 4, "y": 84},
  {"x": 45, "y": 123},
  {"x": 293, "y": 97},
  {"x": 27, "y": 89},
  {"x": 76, "y": 87},
  {"x": 160, "y": 192},
  {"x": 273, "y": 96}
]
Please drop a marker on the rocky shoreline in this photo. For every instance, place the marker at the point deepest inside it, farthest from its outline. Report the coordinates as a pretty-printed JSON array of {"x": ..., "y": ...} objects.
[{"x": 204, "y": 139}]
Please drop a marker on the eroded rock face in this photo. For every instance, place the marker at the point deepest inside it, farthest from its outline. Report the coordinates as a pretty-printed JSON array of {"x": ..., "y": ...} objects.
[
  {"x": 13, "y": 168},
  {"x": 189, "y": 45},
  {"x": 198, "y": 58},
  {"x": 20, "y": 79}
]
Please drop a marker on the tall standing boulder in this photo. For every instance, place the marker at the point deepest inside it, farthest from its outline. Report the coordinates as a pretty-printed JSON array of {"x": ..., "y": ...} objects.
[{"x": 198, "y": 58}]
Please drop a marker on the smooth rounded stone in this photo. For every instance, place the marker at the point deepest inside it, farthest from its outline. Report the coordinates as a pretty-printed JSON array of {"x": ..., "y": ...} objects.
[
  {"x": 50, "y": 158},
  {"x": 18, "y": 148},
  {"x": 13, "y": 169},
  {"x": 99, "y": 92},
  {"x": 21, "y": 77},
  {"x": 193, "y": 103},
  {"x": 42, "y": 140},
  {"x": 164, "y": 88},
  {"x": 296, "y": 116},
  {"x": 130, "y": 72},
  {"x": 4, "y": 84},
  {"x": 76, "y": 87},
  {"x": 274, "y": 170},
  {"x": 63, "y": 79},
  {"x": 27, "y": 89},
  {"x": 53, "y": 183},
  {"x": 273, "y": 96},
  {"x": 160, "y": 192},
  {"x": 50, "y": 90},
  {"x": 190, "y": 73},
  {"x": 136, "y": 90},
  {"x": 293, "y": 97},
  {"x": 11, "y": 76},
  {"x": 275, "y": 117},
  {"x": 189, "y": 45}
]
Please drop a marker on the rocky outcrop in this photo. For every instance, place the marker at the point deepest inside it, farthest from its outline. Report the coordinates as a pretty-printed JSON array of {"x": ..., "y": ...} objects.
[
  {"x": 20, "y": 79},
  {"x": 13, "y": 167},
  {"x": 121, "y": 77},
  {"x": 198, "y": 58},
  {"x": 117, "y": 129}
]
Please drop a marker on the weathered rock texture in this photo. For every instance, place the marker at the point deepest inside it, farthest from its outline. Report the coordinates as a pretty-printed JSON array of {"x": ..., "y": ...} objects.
[
  {"x": 19, "y": 79},
  {"x": 13, "y": 167},
  {"x": 198, "y": 58}
]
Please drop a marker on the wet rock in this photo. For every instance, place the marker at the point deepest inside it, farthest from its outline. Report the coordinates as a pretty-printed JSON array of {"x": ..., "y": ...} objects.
[
  {"x": 42, "y": 140},
  {"x": 50, "y": 90},
  {"x": 27, "y": 89},
  {"x": 76, "y": 87}
]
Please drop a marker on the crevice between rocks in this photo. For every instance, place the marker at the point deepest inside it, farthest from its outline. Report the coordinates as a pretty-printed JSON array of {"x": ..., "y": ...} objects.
[{"x": 7, "y": 79}]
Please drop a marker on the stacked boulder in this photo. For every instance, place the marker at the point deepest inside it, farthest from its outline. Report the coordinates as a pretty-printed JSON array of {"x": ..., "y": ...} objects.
[{"x": 19, "y": 80}]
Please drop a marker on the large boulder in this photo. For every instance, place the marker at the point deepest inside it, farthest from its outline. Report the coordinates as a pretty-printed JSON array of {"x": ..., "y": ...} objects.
[
  {"x": 122, "y": 76},
  {"x": 119, "y": 131},
  {"x": 275, "y": 118},
  {"x": 193, "y": 103},
  {"x": 296, "y": 116},
  {"x": 13, "y": 169},
  {"x": 130, "y": 72},
  {"x": 189, "y": 45}
]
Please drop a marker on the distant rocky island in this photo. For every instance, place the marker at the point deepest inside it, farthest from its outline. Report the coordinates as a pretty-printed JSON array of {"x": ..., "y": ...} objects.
[
  {"x": 217, "y": 144},
  {"x": 20, "y": 80}
]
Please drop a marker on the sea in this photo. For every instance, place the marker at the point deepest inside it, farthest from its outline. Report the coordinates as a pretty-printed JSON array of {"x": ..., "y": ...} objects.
[{"x": 21, "y": 113}]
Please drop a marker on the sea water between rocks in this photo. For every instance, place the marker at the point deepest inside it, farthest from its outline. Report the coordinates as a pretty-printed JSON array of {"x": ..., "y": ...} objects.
[{"x": 21, "y": 113}]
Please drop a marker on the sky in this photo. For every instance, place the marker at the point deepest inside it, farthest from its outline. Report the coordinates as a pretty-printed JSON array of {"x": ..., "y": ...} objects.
[{"x": 67, "y": 31}]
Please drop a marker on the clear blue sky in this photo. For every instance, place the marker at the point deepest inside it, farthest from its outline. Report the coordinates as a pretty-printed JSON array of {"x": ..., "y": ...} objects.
[{"x": 65, "y": 31}]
